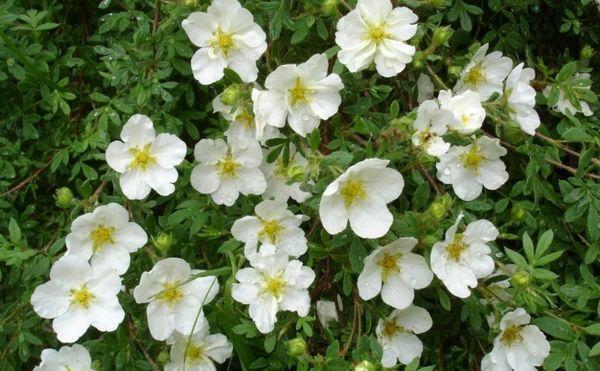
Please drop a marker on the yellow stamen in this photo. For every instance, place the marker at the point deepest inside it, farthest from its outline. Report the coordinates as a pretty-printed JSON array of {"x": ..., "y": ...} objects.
[
  {"x": 270, "y": 230},
  {"x": 377, "y": 33},
  {"x": 456, "y": 248},
  {"x": 246, "y": 118},
  {"x": 299, "y": 93},
  {"x": 142, "y": 157},
  {"x": 223, "y": 41},
  {"x": 274, "y": 286},
  {"x": 194, "y": 353},
  {"x": 228, "y": 166},
  {"x": 102, "y": 236},
  {"x": 511, "y": 335},
  {"x": 352, "y": 191},
  {"x": 472, "y": 158},
  {"x": 171, "y": 294},
  {"x": 391, "y": 328},
  {"x": 389, "y": 266},
  {"x": 475, "y": 76},
  {"x": 81, "y": 297}
]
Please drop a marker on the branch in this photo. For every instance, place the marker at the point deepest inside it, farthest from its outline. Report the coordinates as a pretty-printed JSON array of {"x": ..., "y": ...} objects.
[
  {"x": 29, "y": 179},
  {"x": 556, "y": 144}
]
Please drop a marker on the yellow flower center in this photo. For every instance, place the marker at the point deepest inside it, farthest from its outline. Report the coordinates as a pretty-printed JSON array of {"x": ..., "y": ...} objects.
[
  {"x": 270, "y": 230},
  {"x": 299, "y": 93},
  {"x": 274, "y": 286},
  {"x": 391, "y": 328},
  {"x": 102, "y": 236},
  {"x": 223, "y": 41},
  {"x": 472, "y": 158},
  {"x": 352, "y": 191},
  {"x": 389, "y": 266},
  {"x": 142, "y": 157},
  {"x": 81, "y": 297},
  {"x": 456, "y": 248},
  {"x": 228, "y": 166},
  {"x": 511, "y": 335},
  {"x": 171, "y": 293},
  {"x": 246, "y": 118},
  {"x": 475, "y": 76},
  {"x": 377, "y": 33},
  {"x": 194, "y": 354}
]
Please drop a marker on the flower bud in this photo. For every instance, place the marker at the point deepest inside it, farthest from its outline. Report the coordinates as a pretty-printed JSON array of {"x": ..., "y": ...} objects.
[
  {"x": 330, "y": 6},
  {"x": 365, "y": 366},
  {"x": 295, "y": 173},
  {"x": 63, "y": 197},
  {"x": 440, "y": 206},
  {"x": 231, "y": 95},
  {"x": 441, "y": 35},
  {"x": 96, "y": 365},
  {"x": 296, "y": 347},
  {"x": 163, "y": 357},
  {"x": 163, "y": 242},
  {"x": 454, "y": 71},
  {"x": 417, "y": 61},
  {"x": 191, "y": 3},
  {"x": 520, "y": 278},
  {"x": 518, "y": 213},
  {"x": 587, "y": 52}
]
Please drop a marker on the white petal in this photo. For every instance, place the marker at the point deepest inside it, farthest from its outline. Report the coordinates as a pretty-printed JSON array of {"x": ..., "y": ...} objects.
[
  {"x": 161, "y": 180},
  {"x": 206, "y": 69},
  {"x": 397, "y": 293},
  {"x": 118, "y": 156},
  {"x": 370, "y": 218},
  {"x": 161, "y": 321},
  {"x": 218, "y": 348},
  {"x": 227, "y": 193},
  {"x": 251, "y": 181},
  {"x": 296, "y": 300},
  {"x": 169, "y": 150},
  {"x": 71, "y": 325},
  {"x": 205, "y": 178},
  {"x": 481, "y": 230},
  {"x": 415, "y": 318},
  {"x": 264, "y": 313},
  {"x": 50, "y": 300},
  {"x": 245, "y": 293},
  {"x": 108, "y": 316},
  {"x": 209, "y": 151},
  {"x": 199, "y": 27},
  {"x": 410, "y": 347},
  {"x": 334, "y": 216},
  {"x": 369, "y": 281},
  {"x": 131, "y": 236},
  {"x": 133, "y": 184},
  {"x": 246, "y": 229},
  {"x": 415, "y": 271},
  {"x": 138, "y": 130},
  {"x": 70, "y": 271},
  {"x": 492, "y": 174}
]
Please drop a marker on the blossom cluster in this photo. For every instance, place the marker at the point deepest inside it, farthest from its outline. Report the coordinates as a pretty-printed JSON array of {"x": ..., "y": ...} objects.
[{"x": 85, "y": 283}]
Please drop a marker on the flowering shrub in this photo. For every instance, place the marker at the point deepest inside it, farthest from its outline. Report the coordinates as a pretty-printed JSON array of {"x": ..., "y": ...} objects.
[{"x": 316, "y": 184}]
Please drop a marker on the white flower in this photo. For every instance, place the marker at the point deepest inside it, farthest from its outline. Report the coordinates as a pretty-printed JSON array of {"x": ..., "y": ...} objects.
[
  {"x": 374, "y": 32},
  {"x": 273, "y": 224},
  {"x": 397, "y": 335},
  {"x": 466, "y": 108},
  {"x": 430, "y": 124},
  {"x": 79, "y": 295},
  {"x": 564, "y": 106},
  {"x": 106, "y": 236},
  {"x": 401, "y": 272},
  {"x": 520, "y": 97},
  {"x": 227, "y": 37},
  {"x": 175, "y": 298},
  {"x": 462, "y": 258},
  {"x": 145, "y": 160},
  {"x": 303, "y": 94},
  {"x": 520, "y": 346},
  {"x": 360, "y": 195},
  {"x": 273, "y": 284},
  {"x": 484, "y": 74},
  {"x": 199, "y": 351},
  {"x": 228, "y": 169},
  {"x": 73, "y": 358},
  {"x": 470, "y": 168},
  {"x": 279, "y": 185},
  {"x": 327, "y": 312},
  {"x": 424, "y": 88}
]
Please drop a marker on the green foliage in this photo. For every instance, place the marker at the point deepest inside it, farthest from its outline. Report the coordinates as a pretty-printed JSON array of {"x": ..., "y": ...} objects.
[{"x": 73, "y": 72}]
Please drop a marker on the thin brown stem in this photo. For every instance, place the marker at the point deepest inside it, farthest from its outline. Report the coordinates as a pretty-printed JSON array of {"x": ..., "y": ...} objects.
[
  {"x": 28, "y": 180},
  {"x": 562, "y": 147}
]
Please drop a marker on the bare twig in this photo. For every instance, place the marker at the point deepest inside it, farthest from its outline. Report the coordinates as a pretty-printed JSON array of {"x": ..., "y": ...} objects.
[
  {"x": 562, "y": 147},
  {"x": 429, "y": 178},
  {"x": 133, "y": 335}
]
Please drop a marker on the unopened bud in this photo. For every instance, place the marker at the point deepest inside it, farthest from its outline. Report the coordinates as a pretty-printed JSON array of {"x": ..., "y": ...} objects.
[
  {"x": 587, "y": 52},
  {"x": 163, "y": 242},
  {"x": 63, "y": 197},
  {"x": 330, "y": 6},
  {"x": 518, "y": 213},
  {"x": 295, "y": 173},
  {"x": 163, "y": 357},
  {"x": 231, "y": 95},
  {"x": 191, "y": 2},
  {"x": 296, "y": 347},
  {"x": 520, "y": 278},
  {"x": 441, "y": 35},
  {"x": 454, "y": 71},
  {"x": 96, "y": 365},
  {"x": 365, "y": 366},
  {"x": 417, "y": 61},
  {"x": 440, "y": 206}
]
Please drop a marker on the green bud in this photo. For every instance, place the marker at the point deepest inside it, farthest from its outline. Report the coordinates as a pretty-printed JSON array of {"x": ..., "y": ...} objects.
[
  {"x": 454, "y": 71},
  {"x": 587, "y": 52},
  {"x": 474, "y": 48},
  {"x": 163, "y": 242},
  {"x": 441, "y": 35},
  {"x": 440, "y": 206},
  {"x": 96, "y": 365},
  {"x": 520, "y": 278},
  {"x": 163, "y": 357},
  {"x": 63, "y": 197},
  {"x": 191, "y": 3},
  {"x": 417, "y": 61},
  {"x": 365, "y": 366},
  {"x": 296, "y": 347},
  {"x": 518, "y": 213},
  {"x": 330, "y": 6},
  {"x": 429, "y": 240},
  {"x": 231, "y": 95}
]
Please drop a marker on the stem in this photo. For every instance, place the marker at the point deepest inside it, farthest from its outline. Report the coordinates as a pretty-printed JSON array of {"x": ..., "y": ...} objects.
[
  {"x": 436, "y": 78},
  {"x": 29, "y": 179},
  {"x": 556, "y": 144}
]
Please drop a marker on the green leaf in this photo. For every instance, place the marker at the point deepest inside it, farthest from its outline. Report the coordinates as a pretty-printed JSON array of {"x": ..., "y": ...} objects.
[
  {"x": 516, "y": 258},
  {"x": 593, "y": 329},
  {"x": 528, "y": 247},
  {"x": 559, "y": 329},
  {"x": 14, "y": 231},
  {"x": 544, "y": 243},
  {"x": 595, "y": 351}
]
